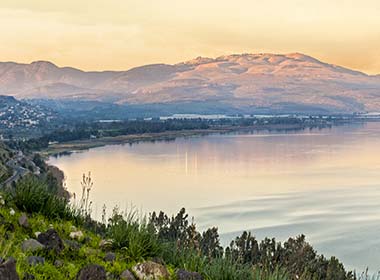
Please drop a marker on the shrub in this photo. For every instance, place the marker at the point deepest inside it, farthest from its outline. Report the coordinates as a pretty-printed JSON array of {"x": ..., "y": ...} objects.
[
  {"x": 226, "y": 269},
  {"x": 265, "y": 274},
  {"x": 133, "y": 235},
  {"x": 211, "y": 268},
  {"x": 33, "y": 196}
]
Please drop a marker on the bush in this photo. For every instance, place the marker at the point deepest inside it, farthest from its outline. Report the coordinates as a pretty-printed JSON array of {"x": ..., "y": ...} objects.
[
  {"x": 265, "y": 274},
  {"x": 211, "y": 268},
  {"x": 225, "y": 269},
  {"x": 33, "y": 196},
  {"x": 134, "y": 236}
]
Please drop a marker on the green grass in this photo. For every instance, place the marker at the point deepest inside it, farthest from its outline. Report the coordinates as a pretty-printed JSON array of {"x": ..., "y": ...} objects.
[
  {"x": 73, "y": 260},
  {"x": 263, "y": 274},
  {"x": 135, "y": 239},
  {"x": 133, "y": 236},
  {"x": 33, "y": 196}
]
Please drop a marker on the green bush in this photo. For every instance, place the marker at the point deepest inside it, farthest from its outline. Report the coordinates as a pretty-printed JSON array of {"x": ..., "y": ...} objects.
[
  {"x": 266, "y": 274},
  {"x": 33, "y": 196},
  {"x": 187, "y": 259},
  {"x": 134, "y": 236},
  {"x": 225, "y": 269},
  {"x": 211, "y": 268}
]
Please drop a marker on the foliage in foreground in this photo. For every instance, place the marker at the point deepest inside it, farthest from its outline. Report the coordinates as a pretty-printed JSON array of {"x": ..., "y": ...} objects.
[
  {"x": 32, "y": 195},
  {"x": 133, "y": 236},
  {"x": 172, "y": 240}
]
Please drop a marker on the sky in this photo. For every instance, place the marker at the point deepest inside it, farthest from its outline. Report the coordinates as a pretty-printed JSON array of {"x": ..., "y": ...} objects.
[{"x": 121, "y": 34}]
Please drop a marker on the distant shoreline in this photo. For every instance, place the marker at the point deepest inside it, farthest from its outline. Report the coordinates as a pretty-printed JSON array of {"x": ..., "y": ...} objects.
[{"x": 81, "y": 145}]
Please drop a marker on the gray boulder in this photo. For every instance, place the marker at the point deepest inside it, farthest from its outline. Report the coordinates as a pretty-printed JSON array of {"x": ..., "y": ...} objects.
[
  {"x": 8, "y": 270},
  {"x": 92, "y": 272},
  {"x": 51, "y": 240},
  {"x": 23, "y": 221},
  {"x": 105, "y": 244},
  {"x": 35, "y": 260},
  {"x": 72, "y": 245},
  {"x": 110, "y": 257},
  {"x": 188, "y": 275},
  {"x": 78, "y": 235},
  {"x": 150, "y": 271},
  {"x": 31, "y": 245},
  {"x": 58, "y": 263},
  {"x": 127, "y": 275}
]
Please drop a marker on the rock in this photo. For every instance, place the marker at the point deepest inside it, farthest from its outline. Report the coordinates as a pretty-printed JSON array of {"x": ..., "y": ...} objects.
[
  {"x": 51, "y": 240},
  {"x": 92, "y": 272},
  {"x": 8, "y": 270},
  {"x": 78, "y": 235},
  {"x": 188, "y": 275},
  {"x": 35, "y": 260},
  {"x": 158, "y": 260},
  {"x": 127, "y": 275},
  {"x": 73, "y": 245},
  {"x": 105, "y": 244},
  {"x": 23, "y": 221},
  {"x": 110, "y": 257},
  {"x": 150, "y": 271},
  {"x": 31, "y": 245},
  {"x": 58, "y": 263}
]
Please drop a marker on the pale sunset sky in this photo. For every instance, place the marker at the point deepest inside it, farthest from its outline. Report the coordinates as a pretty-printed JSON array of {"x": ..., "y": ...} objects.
[{"x": 120, "y": 34}]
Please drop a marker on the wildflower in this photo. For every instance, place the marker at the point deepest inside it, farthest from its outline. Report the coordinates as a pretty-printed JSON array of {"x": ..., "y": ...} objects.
[{"x": 12, "y": 212}]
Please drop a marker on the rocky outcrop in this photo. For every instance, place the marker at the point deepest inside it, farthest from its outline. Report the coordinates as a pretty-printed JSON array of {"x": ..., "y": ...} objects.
[
  {"x": 51, "y": 240},
  {"x": 105, "y": 244},
  {"x": 35, "y": 260},
  {"x": 78, "y": 235},
  {"x": 23, "y": 221},
  {"x": 8, "y": 270},
  {"x": 72, "y": 245},
  {"x": 188, "y": 275},
  {"x": 150, "y": 271},
  {"x": 92, "y": 272},
  {"x": 58, "y": 263},
  {"x": 127, "y": 275},
  {"x": 31, "y": 245},
  {"x": 110, "y": 257}
]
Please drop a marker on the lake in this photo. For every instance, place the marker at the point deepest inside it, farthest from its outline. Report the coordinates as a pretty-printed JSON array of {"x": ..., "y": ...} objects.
[{"x": 322, "y": 183}]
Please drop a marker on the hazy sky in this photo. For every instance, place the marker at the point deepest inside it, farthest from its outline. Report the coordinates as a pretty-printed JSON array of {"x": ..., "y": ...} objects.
[{"x": 120, "y": 34}]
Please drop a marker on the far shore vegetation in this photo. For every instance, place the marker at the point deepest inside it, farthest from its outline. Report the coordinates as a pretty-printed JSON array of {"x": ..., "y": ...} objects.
[{"x": 90, "y": 134}]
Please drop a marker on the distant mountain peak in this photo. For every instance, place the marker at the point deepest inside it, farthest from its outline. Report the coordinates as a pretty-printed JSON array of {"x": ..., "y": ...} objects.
[
  {"x": 199, "y": 60},
  {"x": 282, "y": 82},
  {"x": 43, "y": 63}
]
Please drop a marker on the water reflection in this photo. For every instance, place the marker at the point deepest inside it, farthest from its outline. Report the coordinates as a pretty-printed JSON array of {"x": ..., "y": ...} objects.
[{"x": 323, "y": 183}]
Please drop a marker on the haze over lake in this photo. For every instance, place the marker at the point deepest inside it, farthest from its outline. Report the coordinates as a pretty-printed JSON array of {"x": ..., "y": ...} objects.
[{"x": 322, "y": 183}]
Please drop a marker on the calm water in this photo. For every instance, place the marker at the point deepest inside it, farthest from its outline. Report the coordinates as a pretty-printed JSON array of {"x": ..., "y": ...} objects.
[{"x": 323, "y": 183}]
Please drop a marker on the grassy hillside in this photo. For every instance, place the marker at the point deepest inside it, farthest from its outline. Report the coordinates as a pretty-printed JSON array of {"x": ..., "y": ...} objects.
[
  {"x": 5, "y": 155},
  {"x": 52, "y": 239}
]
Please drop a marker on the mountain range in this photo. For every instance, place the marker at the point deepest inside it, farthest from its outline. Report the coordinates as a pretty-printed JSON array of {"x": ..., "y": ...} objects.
[{"x": 242, "y": 82}]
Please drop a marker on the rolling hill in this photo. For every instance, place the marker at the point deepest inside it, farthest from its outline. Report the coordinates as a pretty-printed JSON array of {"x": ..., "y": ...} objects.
[{"x": 243, "y": 83}]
